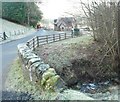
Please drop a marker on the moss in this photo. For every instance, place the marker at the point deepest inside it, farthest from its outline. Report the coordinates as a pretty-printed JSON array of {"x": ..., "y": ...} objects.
[
  {"x": 46, "y": 76},
  {"x": 50, "y": 83},
  {"x": 49, "y": 79}
]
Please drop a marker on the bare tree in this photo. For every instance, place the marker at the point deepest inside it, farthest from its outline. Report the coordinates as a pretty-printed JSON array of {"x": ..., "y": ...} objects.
[
  {"x": 118, "y": 10},
  {"x": 102, "y": 18}
]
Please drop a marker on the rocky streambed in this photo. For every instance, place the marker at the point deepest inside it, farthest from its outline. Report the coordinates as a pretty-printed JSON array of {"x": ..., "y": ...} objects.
[{"x": 99, "y": 91}]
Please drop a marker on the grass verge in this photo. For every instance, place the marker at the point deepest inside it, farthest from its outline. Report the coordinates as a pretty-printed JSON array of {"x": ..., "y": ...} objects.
[
  {"x": 81, "y": 55},
  {"x": 16, "y": 82}
]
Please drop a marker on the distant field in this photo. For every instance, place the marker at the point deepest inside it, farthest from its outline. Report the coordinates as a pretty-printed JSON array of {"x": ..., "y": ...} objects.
[{"x": 11, "y": 28}]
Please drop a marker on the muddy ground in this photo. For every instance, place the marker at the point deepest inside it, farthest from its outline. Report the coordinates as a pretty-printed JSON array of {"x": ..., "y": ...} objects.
[{"x": 78, "y": 62}]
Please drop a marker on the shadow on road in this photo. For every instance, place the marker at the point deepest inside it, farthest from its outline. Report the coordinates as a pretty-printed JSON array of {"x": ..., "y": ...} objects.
[{"x": 13, "y": 95}]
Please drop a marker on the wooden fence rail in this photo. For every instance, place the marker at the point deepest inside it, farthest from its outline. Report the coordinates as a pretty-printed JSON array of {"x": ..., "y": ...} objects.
[{"x": 41, "y": 40}]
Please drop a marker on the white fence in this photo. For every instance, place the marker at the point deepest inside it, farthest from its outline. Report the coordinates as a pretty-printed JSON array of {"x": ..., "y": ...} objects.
[{"x": 7, "y": 34}]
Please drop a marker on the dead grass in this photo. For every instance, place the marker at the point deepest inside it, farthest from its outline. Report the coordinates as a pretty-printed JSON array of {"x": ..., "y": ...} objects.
[
  {"x": 59, "y": 54},
  {"x": 80, "y": 55},
  {"x": 17, "y": 83}
]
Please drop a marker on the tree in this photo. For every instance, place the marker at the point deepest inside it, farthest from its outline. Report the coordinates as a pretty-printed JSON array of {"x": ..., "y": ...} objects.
[
  {"x": 33, "y": 13},
  {"x": 102, "y": 18},
  {"x": 14, "y": 11},
  {"x": 26, "y": 13},
  {"x": 118, "y": 10}
]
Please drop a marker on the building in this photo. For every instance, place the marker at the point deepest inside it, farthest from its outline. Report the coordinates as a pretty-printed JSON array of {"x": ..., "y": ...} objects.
[{"x": 64, "y": 23}]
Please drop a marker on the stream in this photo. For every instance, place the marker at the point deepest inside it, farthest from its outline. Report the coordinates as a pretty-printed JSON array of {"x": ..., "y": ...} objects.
[{"x": 100, "y": 91}]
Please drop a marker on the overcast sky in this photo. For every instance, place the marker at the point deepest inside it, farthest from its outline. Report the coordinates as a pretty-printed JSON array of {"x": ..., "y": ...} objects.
[{"x": 56, "y": 8}]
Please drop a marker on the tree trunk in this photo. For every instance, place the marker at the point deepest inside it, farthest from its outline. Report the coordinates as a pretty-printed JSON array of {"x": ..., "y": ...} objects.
[
  {"x": 118, "y": 37},
  {"x": 28, "y": 13},
  {"x": 28, "y": 17}
]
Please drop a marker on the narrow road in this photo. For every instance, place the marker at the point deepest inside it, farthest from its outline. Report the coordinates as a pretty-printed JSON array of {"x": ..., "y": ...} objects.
[{"x": 9, "y": 52}]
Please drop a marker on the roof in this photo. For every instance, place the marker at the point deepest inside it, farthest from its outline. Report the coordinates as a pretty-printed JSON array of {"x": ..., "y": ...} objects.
[{"x": 67, "y": 21}]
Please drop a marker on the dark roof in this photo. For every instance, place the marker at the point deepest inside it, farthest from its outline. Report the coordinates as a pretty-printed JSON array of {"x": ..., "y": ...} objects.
[{"x": 68, "y": 21}]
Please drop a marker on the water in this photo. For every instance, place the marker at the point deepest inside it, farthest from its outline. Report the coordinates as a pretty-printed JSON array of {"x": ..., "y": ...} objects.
[{"x": 94, "y": 87}]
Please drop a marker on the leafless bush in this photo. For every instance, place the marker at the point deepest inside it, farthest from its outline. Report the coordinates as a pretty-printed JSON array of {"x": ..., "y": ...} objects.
[{"x": 102, "y": 19}]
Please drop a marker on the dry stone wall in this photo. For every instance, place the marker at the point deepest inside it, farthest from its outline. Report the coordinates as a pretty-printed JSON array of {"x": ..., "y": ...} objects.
[{"x": 37, "y": 71}]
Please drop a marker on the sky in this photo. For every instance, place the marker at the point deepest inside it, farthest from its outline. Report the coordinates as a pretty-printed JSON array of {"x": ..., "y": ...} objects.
[{"x": 56, "y": 8}]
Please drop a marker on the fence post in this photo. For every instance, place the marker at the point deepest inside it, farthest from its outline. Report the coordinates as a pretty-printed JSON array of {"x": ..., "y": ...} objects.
[
  {"x": 23, "y": 31},
  {"x": 19, "y": 32},
  {"x": 10, "y": 34},
  {"x": 27, "y": 44},
  {"x": 15, "y": 32},
  {"x": 65, "y": 35},
  {"x": 33, "y": 44},
  {"x": 59, "y": 36},
  {"x": 53, "y": 37},
  {"x": 47, "y": 39},
  {"x": 37, "y": 41},
  {"x": 72, "y": 35}
]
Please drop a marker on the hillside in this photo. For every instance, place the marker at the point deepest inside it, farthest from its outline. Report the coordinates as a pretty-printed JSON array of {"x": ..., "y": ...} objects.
[
  {"x": 76, "y": 60},
  {"x": 17, "y": 12},
  {"x": 12, "y": 29},
  {"x": 79, "y": 50},
  {"x": 8, "y": 26}
]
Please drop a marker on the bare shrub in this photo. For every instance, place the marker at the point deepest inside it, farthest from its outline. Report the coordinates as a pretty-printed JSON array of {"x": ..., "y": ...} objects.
[{"x": 102, "y": 18}]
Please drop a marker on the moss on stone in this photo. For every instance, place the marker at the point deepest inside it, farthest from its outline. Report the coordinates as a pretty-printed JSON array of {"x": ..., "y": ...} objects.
[
  {"x": 50, "y": 83},
  {"x": 49, "y": 78}
]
